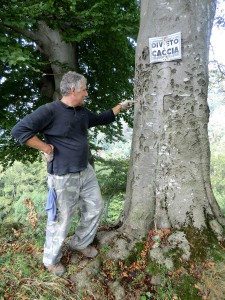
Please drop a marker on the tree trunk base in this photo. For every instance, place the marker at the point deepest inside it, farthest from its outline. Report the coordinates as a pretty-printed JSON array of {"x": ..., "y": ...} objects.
[{"x": 122, "y": 260}]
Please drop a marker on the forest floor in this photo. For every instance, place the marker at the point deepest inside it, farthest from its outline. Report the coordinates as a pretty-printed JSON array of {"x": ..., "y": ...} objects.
[{"x": 22, "y": 275}]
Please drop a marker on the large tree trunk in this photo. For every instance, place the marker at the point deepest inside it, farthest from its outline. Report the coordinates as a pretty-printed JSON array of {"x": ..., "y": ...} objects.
[
  {"x": 61, "y": 56},
  {"x": 169, "y": 176}
]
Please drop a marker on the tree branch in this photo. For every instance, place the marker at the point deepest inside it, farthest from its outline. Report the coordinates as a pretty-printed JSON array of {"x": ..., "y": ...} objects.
[{"x": 26, "y": 33}]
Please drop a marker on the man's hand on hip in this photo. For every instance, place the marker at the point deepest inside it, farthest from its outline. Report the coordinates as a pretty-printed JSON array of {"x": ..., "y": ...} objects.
[{"x": 50, "y": 155}]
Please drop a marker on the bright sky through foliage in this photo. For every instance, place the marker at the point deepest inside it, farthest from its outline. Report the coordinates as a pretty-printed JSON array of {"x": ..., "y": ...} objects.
[
  {"x": 217, "y": 40},
  {"x": 218, "y": 48}
]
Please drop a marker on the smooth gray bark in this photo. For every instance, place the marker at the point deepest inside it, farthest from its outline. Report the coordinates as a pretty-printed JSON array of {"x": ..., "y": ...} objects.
[
  {"x": 169, "y": 175},
  {"x": 61, "y": 55}
]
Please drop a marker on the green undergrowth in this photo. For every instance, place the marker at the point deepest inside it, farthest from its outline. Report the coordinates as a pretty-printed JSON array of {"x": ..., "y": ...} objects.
[{"x": 22, "y": 275}]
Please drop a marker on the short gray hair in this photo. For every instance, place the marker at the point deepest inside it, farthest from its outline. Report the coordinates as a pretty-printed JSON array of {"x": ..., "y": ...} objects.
[{"x": 71, "y": 80}]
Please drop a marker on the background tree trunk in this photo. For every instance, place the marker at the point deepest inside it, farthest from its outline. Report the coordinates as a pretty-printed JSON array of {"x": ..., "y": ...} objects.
[
  {"x": 169, "y": 175},
  {"x": 60, "y": 54}
]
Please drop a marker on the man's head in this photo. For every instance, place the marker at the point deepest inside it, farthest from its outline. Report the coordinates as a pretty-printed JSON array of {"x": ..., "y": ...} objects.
[{"x": 71, "y": 80}]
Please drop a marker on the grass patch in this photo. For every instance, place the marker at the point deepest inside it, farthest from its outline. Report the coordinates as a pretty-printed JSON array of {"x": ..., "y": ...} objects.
[
  {"x": 213, "y": 280},
  {"x": 184, "y": 287},
  {"x": 22, "y": 275}
]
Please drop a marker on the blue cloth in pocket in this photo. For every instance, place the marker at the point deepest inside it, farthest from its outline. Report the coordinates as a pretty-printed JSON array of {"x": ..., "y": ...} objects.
[{"x": 51, "y": 204}]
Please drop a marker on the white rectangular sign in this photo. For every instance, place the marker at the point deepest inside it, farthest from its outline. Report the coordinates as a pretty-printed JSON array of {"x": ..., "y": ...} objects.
[{"x": 165, "y": 48}]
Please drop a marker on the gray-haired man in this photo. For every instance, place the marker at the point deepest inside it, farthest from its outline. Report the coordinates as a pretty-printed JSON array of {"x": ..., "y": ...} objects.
[{"x": 64, "y": 124}]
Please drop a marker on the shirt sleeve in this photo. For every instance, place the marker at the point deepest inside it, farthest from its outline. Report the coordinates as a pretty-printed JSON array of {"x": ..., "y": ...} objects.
[
  {"x": 103, "y": 118},
  {"x": 32, "y": 124}
]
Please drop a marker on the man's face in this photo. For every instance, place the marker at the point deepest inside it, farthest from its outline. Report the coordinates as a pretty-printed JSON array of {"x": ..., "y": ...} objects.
[{"x": 80, "y": 96}]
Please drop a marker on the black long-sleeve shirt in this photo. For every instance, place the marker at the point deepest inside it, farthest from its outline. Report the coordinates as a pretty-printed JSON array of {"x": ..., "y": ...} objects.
[{"x": 66, "y": 129}]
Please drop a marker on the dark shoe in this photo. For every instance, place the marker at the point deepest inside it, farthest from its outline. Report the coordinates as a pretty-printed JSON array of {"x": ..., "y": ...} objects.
[
  {"x": 57, "y": 269},
  {"x": 89, "y": 252}
]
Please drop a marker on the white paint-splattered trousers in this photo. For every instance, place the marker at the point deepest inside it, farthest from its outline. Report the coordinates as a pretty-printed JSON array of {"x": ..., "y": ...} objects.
[{"x": 73, "y": 189}]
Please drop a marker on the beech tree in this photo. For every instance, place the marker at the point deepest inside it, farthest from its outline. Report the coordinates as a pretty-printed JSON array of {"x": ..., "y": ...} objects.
[
  {"x": 168, "y": 183},
  {"x": 168, "y": 186}
]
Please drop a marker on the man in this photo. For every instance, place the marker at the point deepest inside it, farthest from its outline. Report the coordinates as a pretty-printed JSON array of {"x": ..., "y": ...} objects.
[{"x": 71, "y": 179}]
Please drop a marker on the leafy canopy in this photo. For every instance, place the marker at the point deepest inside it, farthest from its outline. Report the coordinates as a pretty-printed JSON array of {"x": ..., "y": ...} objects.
[{"x": 103, "y": 35}]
